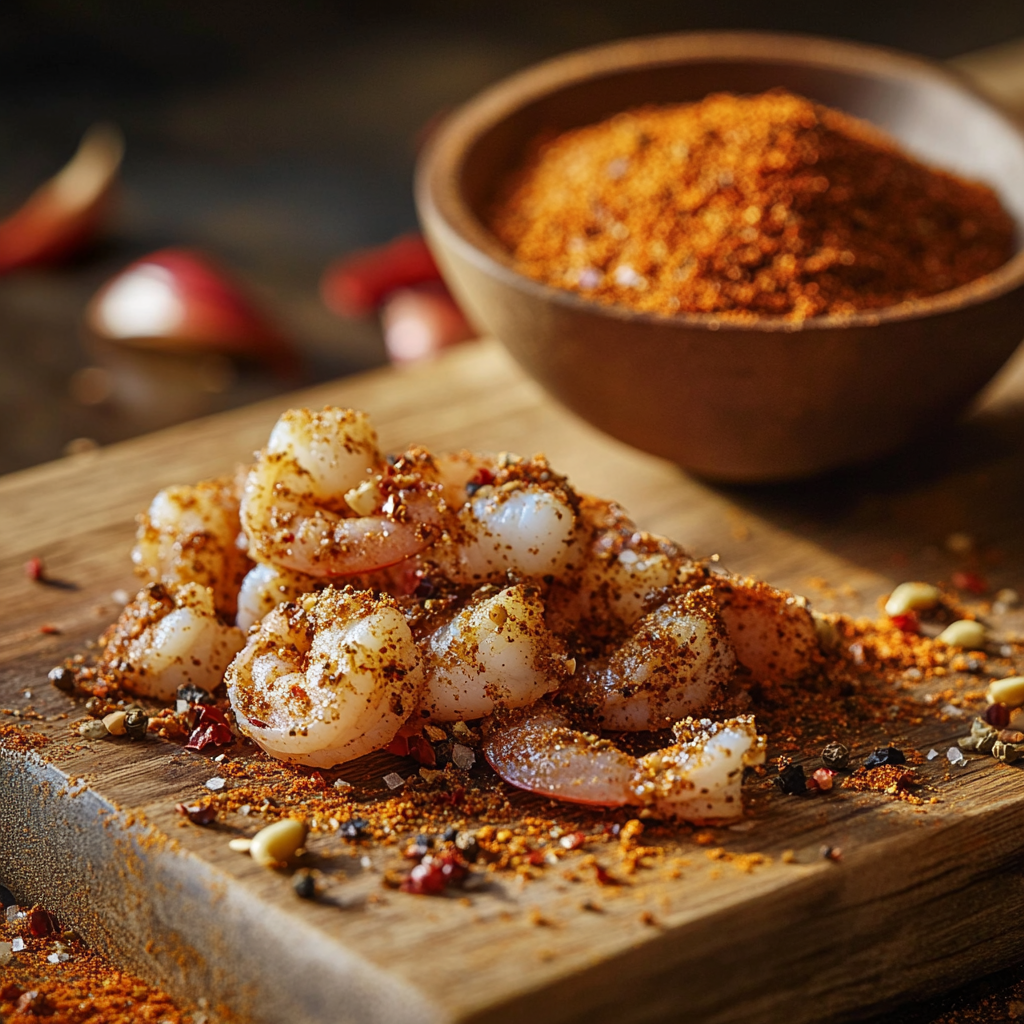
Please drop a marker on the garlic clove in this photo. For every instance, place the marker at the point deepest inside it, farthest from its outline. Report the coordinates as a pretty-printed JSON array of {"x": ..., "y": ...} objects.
[{"x": 177, "y": 300}]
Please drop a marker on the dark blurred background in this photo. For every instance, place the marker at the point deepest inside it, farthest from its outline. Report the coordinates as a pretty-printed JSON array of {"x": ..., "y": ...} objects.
[{"x": 278, "y": 136}]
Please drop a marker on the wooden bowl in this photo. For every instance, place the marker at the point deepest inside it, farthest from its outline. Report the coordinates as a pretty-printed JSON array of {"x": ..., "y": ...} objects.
[{"x": 767, "y": 401}]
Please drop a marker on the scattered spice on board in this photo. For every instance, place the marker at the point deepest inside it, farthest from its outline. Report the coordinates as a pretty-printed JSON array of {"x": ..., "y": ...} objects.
[
  {"x": 54, "y": 977},
  {"x": 750, "y": 206}
]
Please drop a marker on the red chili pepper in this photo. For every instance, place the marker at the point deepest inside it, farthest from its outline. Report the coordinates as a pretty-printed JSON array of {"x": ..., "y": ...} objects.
[
  {"x": 358, "y": 283},
  {"x": 34, "y": 568},
  {"x": 211, "y": 729},
  {"x": 967, "y": 579},
  {"x": 908, "y": 623}
]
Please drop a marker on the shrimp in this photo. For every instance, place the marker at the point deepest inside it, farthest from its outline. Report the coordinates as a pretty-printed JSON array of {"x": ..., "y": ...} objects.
[
  {"x": 618, "y": 569},
  {"x": 320, "y": 499},
  {"x": 496, "y": 652},
  {"x": 328, "y": 679},
  {"x": 675, "y": 662},
  {"x": 265, "y": 587},
  {"x": 189, "y": 535},
  {"x": 696, "y": 779},
  {"x": 521, "y": 521},
  {"x": 169, "y": 637},
  {"x": 773, "y": 632}
]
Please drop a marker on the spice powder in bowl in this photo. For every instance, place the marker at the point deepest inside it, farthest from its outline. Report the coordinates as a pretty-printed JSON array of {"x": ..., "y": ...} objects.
[{"x": 748, "y": 206}]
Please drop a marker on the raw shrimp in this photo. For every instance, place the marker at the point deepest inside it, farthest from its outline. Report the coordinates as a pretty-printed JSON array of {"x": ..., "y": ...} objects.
[
  {"x": 617, "y": 569},
  {"x": 320, "y": 499},
  {"x": 496, "y": 652},
  {"x": 169, "y": 637},
  {"x": 520, "y": 520},
  {"x": 265, "y": 587},
  {"x": 326, "y": 680},
  {"x": 190, "y": 535},
  {"x": 697, "y": 779},
  {"x": 675, "y": 662},
  {"x": 773, "y": 632}
]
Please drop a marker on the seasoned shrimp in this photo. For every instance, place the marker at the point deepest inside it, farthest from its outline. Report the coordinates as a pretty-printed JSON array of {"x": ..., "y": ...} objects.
[
  {"x": 326, "y": 680},
  {"x": 696, "y": 779},
  {"x": 772, "y": 631},
  {"x": 615, "y": 571},
  {"x": 496, "y": 652},
  {"x": 190, "y": 535},
  {"x": 520, "y": 520},
  {"x": 320, "y": 500},
  {"x": 169, "y": 637},
  {"x": 265, "y": 587},
  {"x": 675, "y": 662}
]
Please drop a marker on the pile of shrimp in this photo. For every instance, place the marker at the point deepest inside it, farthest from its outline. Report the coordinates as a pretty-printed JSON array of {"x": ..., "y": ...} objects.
[{"x": 346, "y": 598}]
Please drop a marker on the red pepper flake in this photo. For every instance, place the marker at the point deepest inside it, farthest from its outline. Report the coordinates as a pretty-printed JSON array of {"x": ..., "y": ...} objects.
[
  {"x": 968, "y": 579},
  {"x": 908, "y": 623},
  {"x": 41, "y": 923},
  {"x": 399, "y": 746},
  {"x": 34, "y": 568},
  {"x": 573, "y": 841},
  {"x": 198, "y": 814},
  {"x": 49, "y": 629},
  {"x": 482, "y": 477},
  {"x": 435, "y": 873},
  {"x": 422, "y": 752},
  {"x": 212, "y": 729}
]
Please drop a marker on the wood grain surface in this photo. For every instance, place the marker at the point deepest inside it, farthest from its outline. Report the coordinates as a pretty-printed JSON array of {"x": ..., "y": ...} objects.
[{"x": 924, "y": 898}]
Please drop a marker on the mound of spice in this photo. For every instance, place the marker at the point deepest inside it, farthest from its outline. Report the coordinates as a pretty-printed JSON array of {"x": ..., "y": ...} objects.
[{"x": 748, "y": 206}]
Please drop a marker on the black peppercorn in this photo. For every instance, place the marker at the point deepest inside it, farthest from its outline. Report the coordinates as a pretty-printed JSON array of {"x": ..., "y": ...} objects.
[
  {"x": 791, "y": 780},
  {"x": 136, "y": 723},
  {"x": 194, "y": 694},
  {"x": 836, "y": 756},
  {"x": 62, "y": 678},
  {"x": 885, "y": 755},
  {"x": 304, "y": 884},
  {"x": 353, "y": 828}
]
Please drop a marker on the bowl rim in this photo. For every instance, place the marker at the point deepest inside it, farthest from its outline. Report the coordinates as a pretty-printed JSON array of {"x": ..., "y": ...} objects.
[{"x": 443, "y": 209}]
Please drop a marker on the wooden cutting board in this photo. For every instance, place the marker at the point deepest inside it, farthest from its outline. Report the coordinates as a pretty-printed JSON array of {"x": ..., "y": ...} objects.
[{"x": 924, "y": 897}]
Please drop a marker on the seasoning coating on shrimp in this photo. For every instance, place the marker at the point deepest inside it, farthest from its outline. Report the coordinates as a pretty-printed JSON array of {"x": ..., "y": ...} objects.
[
  {"x": 168, "y": 637},
  {"x": 190, "y": 535},
  {"x": 326, "y": 680},
  {"x": 675, "y": 662},
  {"x": 496, "y": 652},
  {"x": 320, "y": 499},
  {"x": 696, "y": 779}
]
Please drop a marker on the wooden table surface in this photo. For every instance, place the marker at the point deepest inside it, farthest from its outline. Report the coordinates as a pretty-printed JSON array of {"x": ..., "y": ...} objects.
[{"x": 924, "y": 898}]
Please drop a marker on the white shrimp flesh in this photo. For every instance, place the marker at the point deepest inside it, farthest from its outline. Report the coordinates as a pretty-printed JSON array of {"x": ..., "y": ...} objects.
[
  {"x": 675, "y": 662},
  {"x": 169, "y": 637},
  {"x": 321, "y": 500},
  {"x": 190, "y": 535},
  {"x": 494, "y": 653},
  {"x": 326, "y": 680},
  {"x": 696, "y": 779}
]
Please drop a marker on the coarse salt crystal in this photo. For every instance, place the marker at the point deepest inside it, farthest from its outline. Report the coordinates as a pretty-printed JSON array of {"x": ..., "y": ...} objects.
[
  {"x": 955, "y": 756},
  {"x": 932, "y": 754},
  {"x": 17, "y": 944},
  {"x": 244, "y": 809},
  {"x": 953, "y": 711},
  {"x": 342, "y": 784},
  {"x": 14, "y": 915},
  {"x": 463, "y": 756},
  {"x": 215, "y": 783},
  {"x": 27, "y": 694},
  {"x": 120, "y": 596},
  {"x": 58, "y": 958},
  {"x": 589, "y": 278},
  {"x": 365, "y": 863},
  {"x": 393, "y": 780},
  {"x": 220, "y": 757}
]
